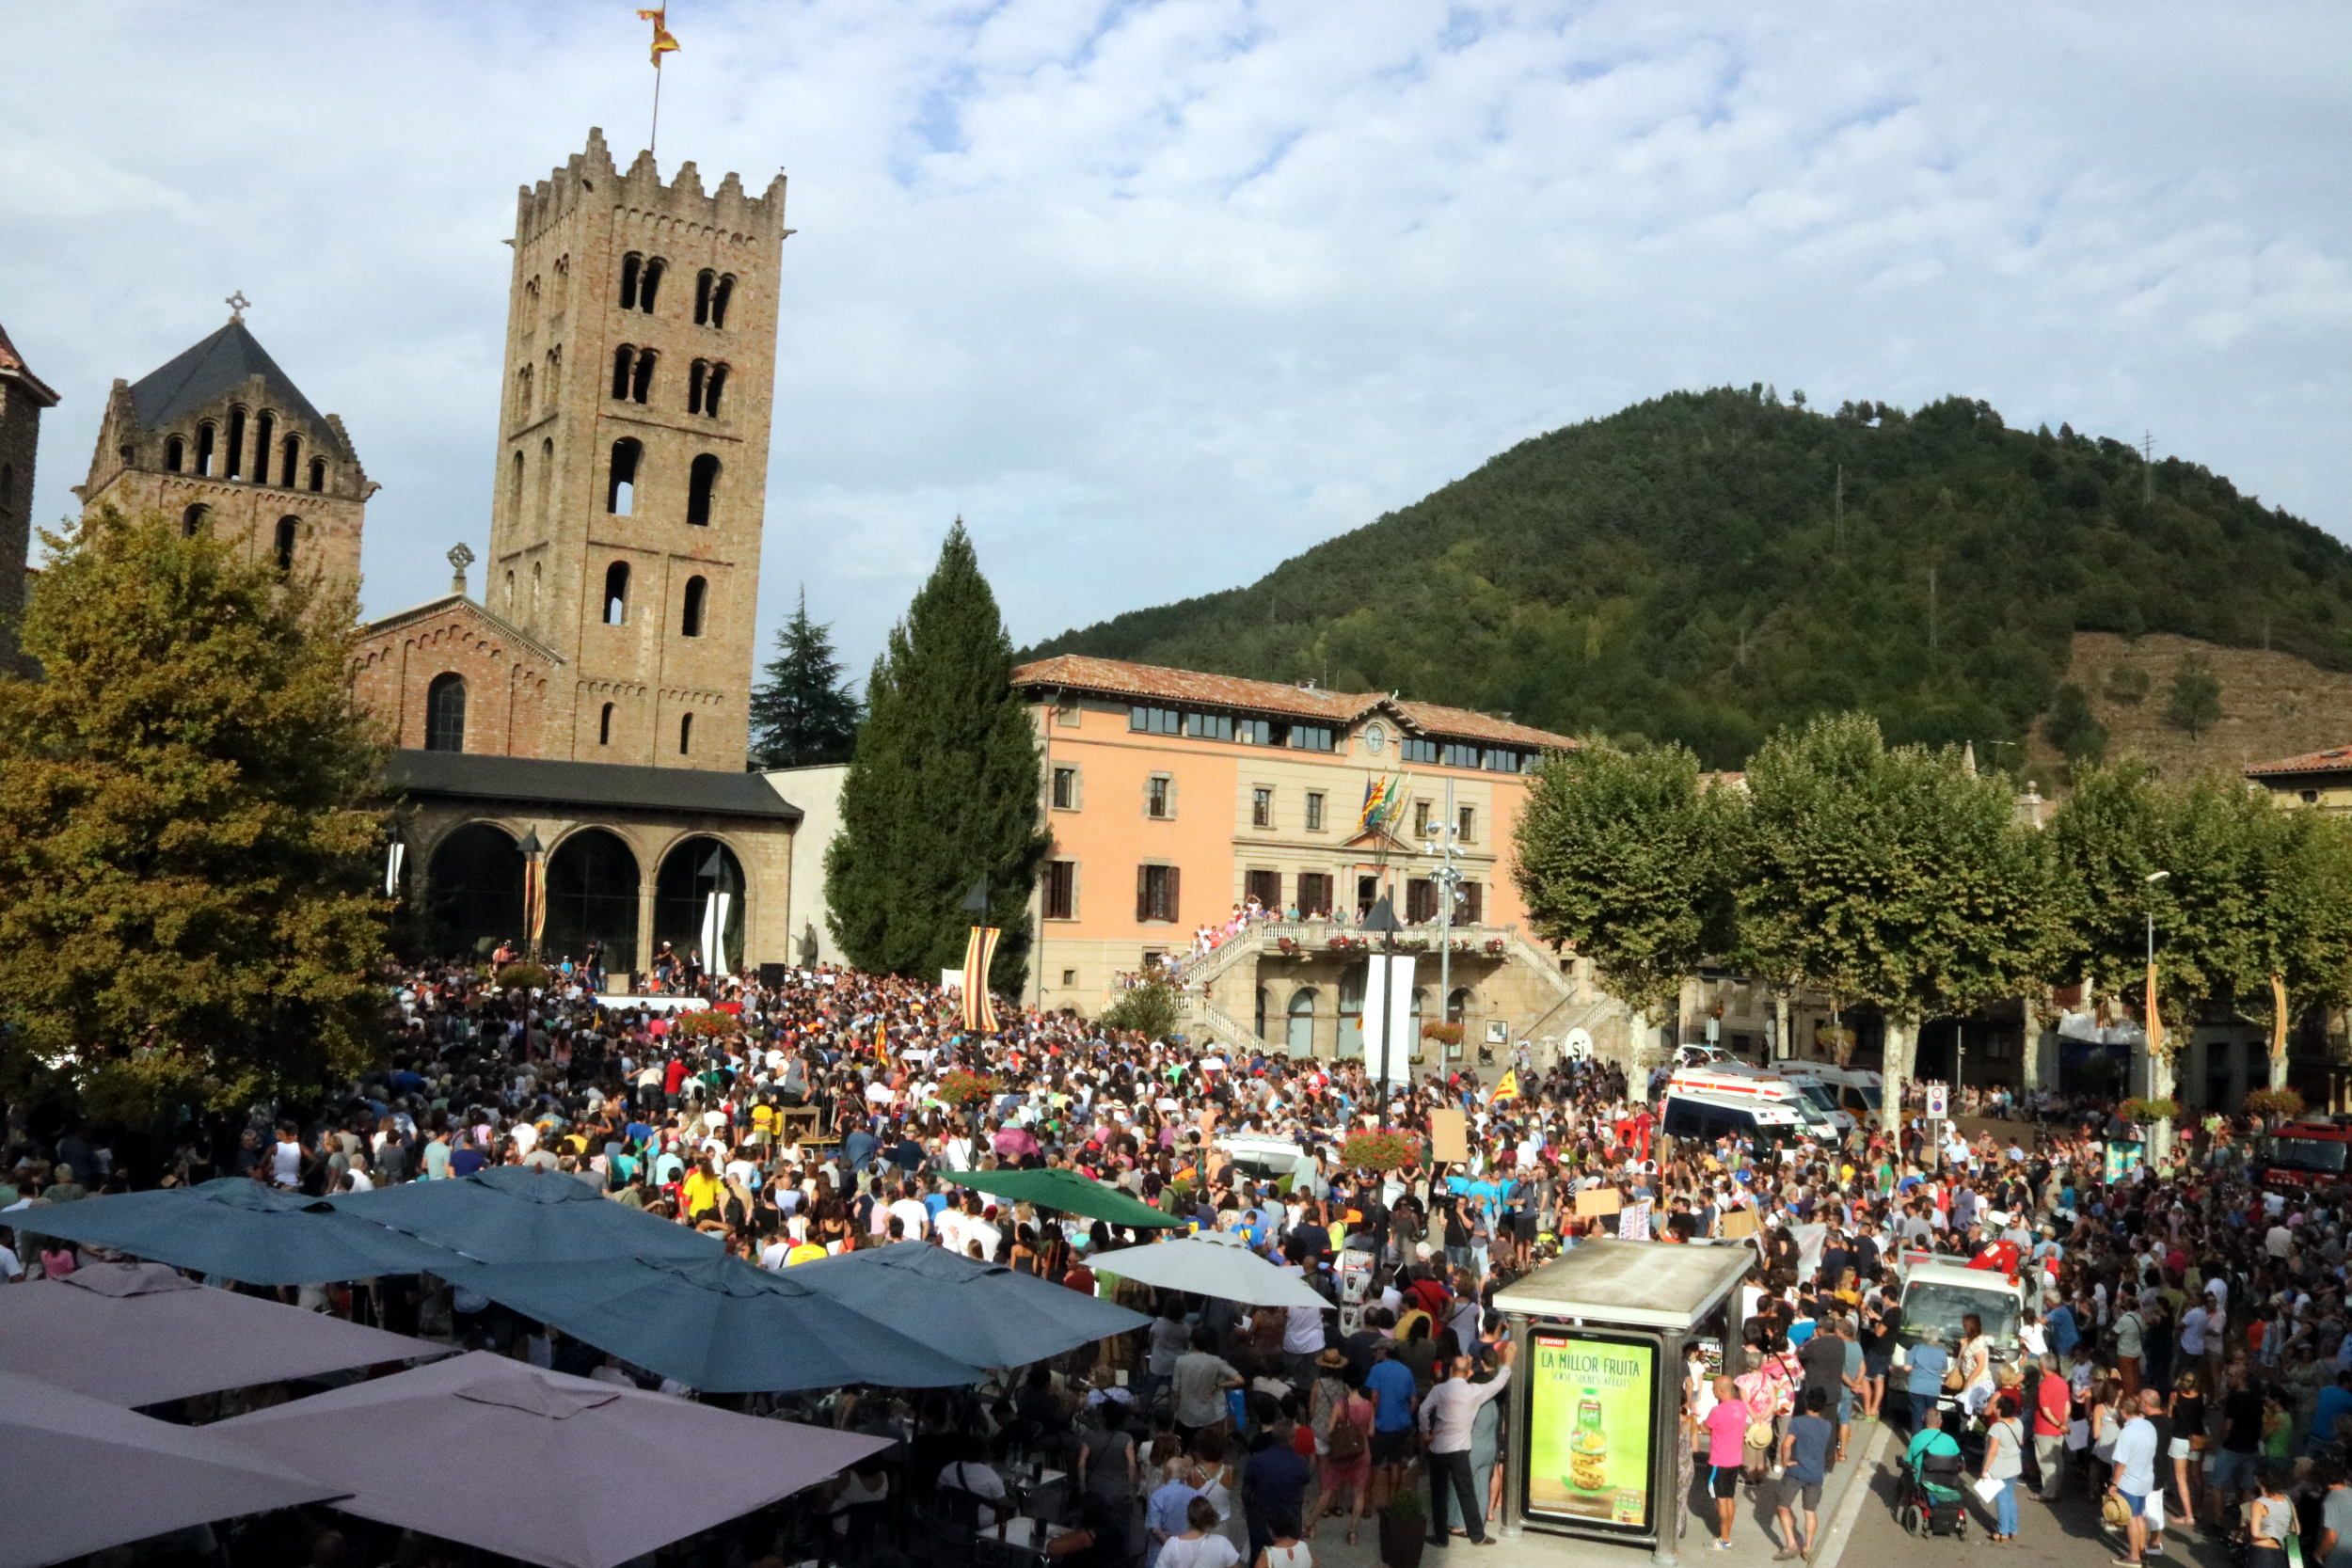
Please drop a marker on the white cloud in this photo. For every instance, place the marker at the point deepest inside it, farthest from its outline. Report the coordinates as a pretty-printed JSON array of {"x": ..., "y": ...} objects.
[{"x": 1156, "y": 294}]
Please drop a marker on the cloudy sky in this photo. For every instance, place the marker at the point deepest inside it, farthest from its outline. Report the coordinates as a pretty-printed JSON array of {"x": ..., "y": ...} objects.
[{"x": 1156, "y": 294}]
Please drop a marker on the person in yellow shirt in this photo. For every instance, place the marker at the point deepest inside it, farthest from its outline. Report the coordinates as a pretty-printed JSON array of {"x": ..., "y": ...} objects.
[{"x": 702, "y": 1189}]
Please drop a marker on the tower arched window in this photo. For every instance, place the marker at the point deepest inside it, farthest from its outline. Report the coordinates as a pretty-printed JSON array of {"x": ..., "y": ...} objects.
[
  {"x": 640, "y": 382},
  {"x": 522, "y": 394},
  {"x": 175, "y": 456},
  {"x": 720, "y": 293},
  {"x": 702, "y": 490},
  {"x": 649, "y": 282},
  {"x": 318, "y": 475},
  {"x": 291, "y": 462},
  {"x": 234, "y": 464},
  {"x": 264, "y": 433},
  {"x": 515, "y": 486},
  {"x": 713, "y": 389},
  {"x": 691, "y": 619},
  {"x": 192, "y": 521},
  {"x": 538, "y": 571},
  {"x": 695, "y": 374},
  {"x": 445, "y": 713},
  {"x": 604, "y": 726},
  {"x": 204, "y": 450},
  {"x": 547, "y": 475},
  {"x": 703, "y": 280},
  {"x": 510, "y": 590},
  {"x": 632, "y": 265},
  {"x": 624, "y": 361},
  {"x": 616, "y": 593},
  {"x": 686, "y": 734},
  {"x": 289, "y": 533},
  {"x": 620, "y": 485}
]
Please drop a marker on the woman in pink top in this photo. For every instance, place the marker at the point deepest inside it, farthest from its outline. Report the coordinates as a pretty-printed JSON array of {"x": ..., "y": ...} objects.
[{"x": 1726, "y": 1438}]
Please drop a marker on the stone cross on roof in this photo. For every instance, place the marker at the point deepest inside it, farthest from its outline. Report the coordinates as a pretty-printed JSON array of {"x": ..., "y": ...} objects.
[{"x": 237, "y": 305}]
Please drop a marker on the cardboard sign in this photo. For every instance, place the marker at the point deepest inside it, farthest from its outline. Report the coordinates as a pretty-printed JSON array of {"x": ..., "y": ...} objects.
[
  {"x": 1449, "y": 1135},
  {"x": 1598, "y": 1203},
  {"x": 1739, "y": 1224}
]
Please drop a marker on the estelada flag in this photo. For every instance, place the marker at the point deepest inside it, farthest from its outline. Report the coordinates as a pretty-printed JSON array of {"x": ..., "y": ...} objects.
[
  {"x": 663, "y": 40},
  {"x": 979, "y": 1009},
  {"x": 1507, "y": 1089},
  {"x": 2152, "y": 1023},
  {"x": 882, "y": 1039}
]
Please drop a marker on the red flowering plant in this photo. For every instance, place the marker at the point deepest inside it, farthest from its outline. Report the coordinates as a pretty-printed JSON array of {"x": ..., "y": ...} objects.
[
  {"x": 958, "y": 1087},
  {"x": 1380, "y": 1152},
  {"x": 1347, "y": 944},
  {"x": 1494, "y": 947},
  {"x": 708, "y": 1024}
]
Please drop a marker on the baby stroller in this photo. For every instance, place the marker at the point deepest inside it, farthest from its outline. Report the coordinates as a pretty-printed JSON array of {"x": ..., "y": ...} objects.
[{"x": 1932, "y": 1502}]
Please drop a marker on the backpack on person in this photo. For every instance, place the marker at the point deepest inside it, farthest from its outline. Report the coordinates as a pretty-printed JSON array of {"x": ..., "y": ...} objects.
[{"x": 1348, "y": 1438}]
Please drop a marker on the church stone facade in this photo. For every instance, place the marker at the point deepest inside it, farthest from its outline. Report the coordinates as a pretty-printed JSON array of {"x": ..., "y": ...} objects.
[{"x": 591, "y": 706}]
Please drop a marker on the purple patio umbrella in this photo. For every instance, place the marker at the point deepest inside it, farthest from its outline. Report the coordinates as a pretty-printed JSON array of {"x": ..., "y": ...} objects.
[
  {"x": 553, "y": 1469},
  {"x": 138, "y": 1334},
  {"x": 78, "y": 1475}
]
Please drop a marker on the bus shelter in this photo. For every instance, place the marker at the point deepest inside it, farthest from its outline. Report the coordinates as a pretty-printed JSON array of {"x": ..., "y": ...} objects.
[{"x": 1597, "y": 1401}]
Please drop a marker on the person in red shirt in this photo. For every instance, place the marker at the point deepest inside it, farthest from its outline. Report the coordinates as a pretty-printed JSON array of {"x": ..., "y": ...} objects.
[
  {"x": 672, "y": 1077},
  {"x": 2053, "y": 1407}
]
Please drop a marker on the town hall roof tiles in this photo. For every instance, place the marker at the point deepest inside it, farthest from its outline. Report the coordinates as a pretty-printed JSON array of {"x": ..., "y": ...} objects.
[{"x": 2335, "y": 759}]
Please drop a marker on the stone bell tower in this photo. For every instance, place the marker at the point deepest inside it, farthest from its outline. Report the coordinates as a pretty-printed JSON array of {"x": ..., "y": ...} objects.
[{"x": 625, "y": 528}]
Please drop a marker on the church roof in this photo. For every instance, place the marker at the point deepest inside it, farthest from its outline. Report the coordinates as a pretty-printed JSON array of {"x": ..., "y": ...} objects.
[
  {"x": 12, "y": 368},
  {"x": 460, "y": 603},
  {"x": 551, "y": 782},
  {"x": 202, "y": 375}
]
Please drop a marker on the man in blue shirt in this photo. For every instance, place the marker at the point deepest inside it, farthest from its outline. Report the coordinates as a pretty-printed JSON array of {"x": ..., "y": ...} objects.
[
  {"x": 1391, "y": 1384},
  {"x": 1924, "y": 1371},
  {"x": 2065, "y": 1334},
  {"x": 2333, "y": 1404}
]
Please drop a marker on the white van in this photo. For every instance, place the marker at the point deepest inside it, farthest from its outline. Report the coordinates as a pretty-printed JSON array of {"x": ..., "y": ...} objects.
[
  {"x": 1266, "y": 1157},
  {"x": 1705, "y": 1117},
  {"x": 1856, "y": 1092},
  {"x": 1741, "y": 1084},
  {"x": 1939, "y": 1292}
]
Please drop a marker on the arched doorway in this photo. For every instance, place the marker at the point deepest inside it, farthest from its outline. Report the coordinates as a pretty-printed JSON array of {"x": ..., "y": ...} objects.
[
  {"x": 1352, "y": 1012},
  {"x": 681, "y": 897},
  {"x": 592, "y": 897},
  {"x": 474, "y": 892},
  {"x": 1299, "y": 1036}
]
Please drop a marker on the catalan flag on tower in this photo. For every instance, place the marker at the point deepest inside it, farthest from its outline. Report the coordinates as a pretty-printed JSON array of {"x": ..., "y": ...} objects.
[{"x": 664, "y": 41}]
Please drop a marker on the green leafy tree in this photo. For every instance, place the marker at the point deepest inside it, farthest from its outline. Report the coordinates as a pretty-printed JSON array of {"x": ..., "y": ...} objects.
[
  {"x": 1621, "y": 856},
  {"x": 187, "y": 844},
  {"x": 2301, "y": 865},
  {"x": 2195, "y": 703},
  {"x": 1149, "y": 1010},
  {"x": 1892, "y": 875},
  {"x": 2071, "y": 727},
  {"x": 943, "y": 791},
  {"x": 802, "y": 713}
]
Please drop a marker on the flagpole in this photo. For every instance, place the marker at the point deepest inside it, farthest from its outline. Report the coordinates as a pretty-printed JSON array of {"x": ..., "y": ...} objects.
[{"x": 653, "y": 137}]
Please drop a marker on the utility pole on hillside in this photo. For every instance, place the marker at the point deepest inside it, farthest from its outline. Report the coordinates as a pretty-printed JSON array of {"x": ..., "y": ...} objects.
[
  {"x": 1837, "y": 525},
  {"x": 1931, "y": 617},
  {"x": 2147, "y": 465}
]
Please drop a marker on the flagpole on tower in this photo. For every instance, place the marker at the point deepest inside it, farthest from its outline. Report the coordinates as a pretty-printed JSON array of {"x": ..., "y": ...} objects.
[
  {"x": 664, "y": 42},
  {"x": 653, "y": 136}
]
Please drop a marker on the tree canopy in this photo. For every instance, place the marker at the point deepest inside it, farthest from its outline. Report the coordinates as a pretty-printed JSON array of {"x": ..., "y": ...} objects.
[
  {"x": 802, "y": 713},
  {"x": 943, "y": 791},
  {"x": 1709, "y": 568},
  {"x": 187, "y": 844}
]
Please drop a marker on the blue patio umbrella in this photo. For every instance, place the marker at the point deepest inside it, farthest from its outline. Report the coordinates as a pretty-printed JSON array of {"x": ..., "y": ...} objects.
[
  {"x": 984, "y": 1314},
  {"x": 234, "y": 1227},
  {"x": 717, "y": 1324},
  {"x": 521, "y": 1215}
]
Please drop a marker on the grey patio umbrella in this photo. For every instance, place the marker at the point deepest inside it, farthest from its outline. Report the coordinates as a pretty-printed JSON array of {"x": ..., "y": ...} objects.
[
  {"x": 136, "y": 1333},
  {"x": 552, "y": 1469},
  {"x": 236, "y": 1229},
  {"x": 522, "y": 1214},
  {"x": 78, "y": 1475},
  {"x": 983, "y": 1313},
  {"x": 717, "y": 1324}
]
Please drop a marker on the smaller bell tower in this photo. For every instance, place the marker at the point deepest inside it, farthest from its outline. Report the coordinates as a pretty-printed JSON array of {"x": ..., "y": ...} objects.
[{"x": 22, "y": 396}]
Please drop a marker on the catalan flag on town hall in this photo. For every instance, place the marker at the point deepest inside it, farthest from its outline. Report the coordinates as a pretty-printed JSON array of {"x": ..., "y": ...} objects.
[
  {"x": 1380, "y": 801},
  {"x": 664, "y": 41}
]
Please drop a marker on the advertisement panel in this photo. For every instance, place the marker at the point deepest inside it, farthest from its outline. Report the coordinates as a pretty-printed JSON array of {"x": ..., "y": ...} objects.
[{"x": 1591, "y": 1454}]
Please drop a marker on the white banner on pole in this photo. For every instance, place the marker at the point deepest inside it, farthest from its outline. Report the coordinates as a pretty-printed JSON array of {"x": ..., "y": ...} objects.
[
  {"x": 715, "y": 908},
  {"x": 1389, "y": 1018}
]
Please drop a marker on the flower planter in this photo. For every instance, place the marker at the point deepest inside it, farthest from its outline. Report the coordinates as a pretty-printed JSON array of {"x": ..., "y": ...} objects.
[{"x": 1403, "y": 1538}]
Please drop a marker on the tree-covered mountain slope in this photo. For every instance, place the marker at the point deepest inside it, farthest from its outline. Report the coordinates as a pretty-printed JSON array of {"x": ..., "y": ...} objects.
[{"x": 1708, "y": 566}]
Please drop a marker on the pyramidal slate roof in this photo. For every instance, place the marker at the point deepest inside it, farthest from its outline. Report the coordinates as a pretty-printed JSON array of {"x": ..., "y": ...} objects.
[
  {"x": 200, "y": 375},
  {"x": 14, "y": 367}
]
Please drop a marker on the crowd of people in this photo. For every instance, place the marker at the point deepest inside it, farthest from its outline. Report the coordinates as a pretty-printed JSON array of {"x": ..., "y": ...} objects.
[{"x": 2185, "y": 1350}]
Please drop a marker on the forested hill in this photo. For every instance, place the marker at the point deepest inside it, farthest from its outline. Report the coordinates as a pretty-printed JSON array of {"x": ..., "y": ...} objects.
[{"x": 1695, "y": 567}]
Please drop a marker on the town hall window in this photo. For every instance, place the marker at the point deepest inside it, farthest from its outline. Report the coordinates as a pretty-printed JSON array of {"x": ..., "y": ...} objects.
[
  {"x": 620, "y": 487},
  {"x": 445, "y": 713}
]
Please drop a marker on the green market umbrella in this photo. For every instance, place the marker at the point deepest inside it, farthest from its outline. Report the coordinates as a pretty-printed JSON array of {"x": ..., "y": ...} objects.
[{"x": 1069, "y": 1192}]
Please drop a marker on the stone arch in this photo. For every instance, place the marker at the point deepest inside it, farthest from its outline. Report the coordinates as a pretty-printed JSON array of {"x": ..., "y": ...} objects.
[
  {"x": 683, "y": 883},
  {"x": 474, "y": 890},
  {"x": 1298, "y": 1022},
  {"x": 593, "y": 880}
]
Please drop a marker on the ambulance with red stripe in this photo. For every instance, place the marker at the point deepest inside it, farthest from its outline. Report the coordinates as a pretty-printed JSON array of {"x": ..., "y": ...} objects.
[{"x": 1738, "y": 1085}]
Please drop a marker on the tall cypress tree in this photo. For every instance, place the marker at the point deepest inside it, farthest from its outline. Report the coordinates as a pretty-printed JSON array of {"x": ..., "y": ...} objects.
[
  {"x": 943, "y": 790},
  {"x": 802, "y": 714}
]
